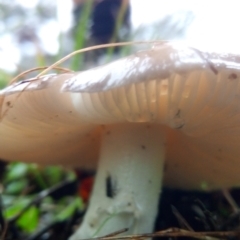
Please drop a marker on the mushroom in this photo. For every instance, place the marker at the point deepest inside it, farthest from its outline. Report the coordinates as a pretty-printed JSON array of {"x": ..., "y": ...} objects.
[{"x": 168, "y": 114}]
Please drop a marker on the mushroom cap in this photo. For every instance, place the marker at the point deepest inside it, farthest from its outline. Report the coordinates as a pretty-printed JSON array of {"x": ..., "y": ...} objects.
[{"x": 195, "y": 95}]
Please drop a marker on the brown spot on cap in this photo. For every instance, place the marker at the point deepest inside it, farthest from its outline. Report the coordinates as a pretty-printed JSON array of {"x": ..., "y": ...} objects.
[{"x": 232, "y": 76}]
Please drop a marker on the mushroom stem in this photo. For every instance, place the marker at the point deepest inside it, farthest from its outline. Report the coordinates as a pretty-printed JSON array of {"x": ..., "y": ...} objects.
[{"x": 128, "y": 182}]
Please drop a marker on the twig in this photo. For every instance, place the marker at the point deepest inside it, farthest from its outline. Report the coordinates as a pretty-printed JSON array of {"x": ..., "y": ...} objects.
[
  {"x": 36, "y": 69},
  {"x": 173, "y": 232},
  {"x": 230, "y": 200}
]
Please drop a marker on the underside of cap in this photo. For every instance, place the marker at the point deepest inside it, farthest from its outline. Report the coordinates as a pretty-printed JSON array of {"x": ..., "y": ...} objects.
[
  {"x": 42, "y": 125},
  {"x": 195, "y": 95}
]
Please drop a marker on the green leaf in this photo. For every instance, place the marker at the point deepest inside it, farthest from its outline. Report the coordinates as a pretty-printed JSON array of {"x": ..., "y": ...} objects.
[
  {"x": 4, "y": 78},
  {"x": 81, "y": 32},
  {"x": 16, "y": 171},
  {"x": 16, "y": 187},
  {"x": 69, "y": 209},
  {"x": 16, "y": 207},
  {"x": 29, "y": 220},
  {"x": 54, "y": 174},
  {"x": 38, "y": 176}
]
